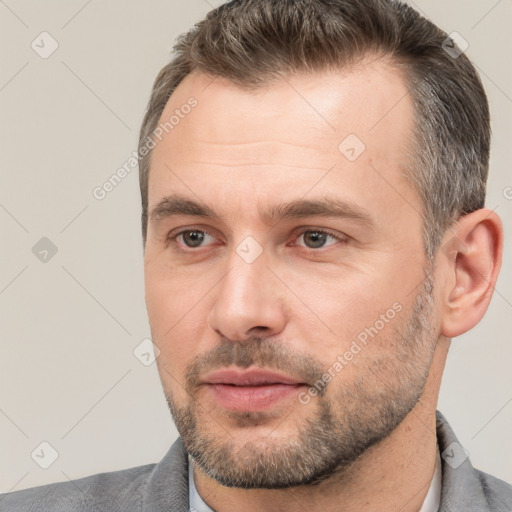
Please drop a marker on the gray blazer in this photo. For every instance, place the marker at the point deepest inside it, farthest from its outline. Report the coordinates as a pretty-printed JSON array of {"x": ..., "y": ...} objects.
[{"x": 163, "y": 487}]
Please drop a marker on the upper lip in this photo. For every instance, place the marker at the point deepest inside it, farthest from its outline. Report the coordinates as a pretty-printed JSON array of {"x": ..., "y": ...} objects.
[{"x": 251, "y": 377}]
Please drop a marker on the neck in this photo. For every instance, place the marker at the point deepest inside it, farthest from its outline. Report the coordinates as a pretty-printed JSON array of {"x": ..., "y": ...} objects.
[{"x": 395, "y": 474}]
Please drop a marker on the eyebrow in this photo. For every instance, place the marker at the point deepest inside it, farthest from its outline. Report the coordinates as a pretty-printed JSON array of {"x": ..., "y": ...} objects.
[{"x": 177, "y": 204}]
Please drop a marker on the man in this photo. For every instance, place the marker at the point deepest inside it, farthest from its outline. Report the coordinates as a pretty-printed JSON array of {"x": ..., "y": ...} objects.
[{"x": 313, "y": 181}]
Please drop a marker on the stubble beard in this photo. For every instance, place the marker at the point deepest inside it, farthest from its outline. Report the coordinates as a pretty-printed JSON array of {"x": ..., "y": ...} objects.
[{"x": 340, "y": 428}]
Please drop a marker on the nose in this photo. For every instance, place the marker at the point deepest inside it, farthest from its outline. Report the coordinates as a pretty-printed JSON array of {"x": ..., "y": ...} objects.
[{"x": 247, "y": 301}]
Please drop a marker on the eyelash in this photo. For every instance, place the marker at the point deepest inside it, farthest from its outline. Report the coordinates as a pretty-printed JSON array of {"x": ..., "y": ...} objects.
[{"x": 171, "y": 238}]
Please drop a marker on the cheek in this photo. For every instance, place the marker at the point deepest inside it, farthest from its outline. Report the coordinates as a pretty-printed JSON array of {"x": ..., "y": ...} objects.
[
  {"x": 363, "y": 306},
  {"x": 173, "y": 333},
  {"x": 341, "y": 301},
  {"x": 177, "y": 312},
  {"x": 169, "y": 294},
  {"x": 166, "y": 306}
]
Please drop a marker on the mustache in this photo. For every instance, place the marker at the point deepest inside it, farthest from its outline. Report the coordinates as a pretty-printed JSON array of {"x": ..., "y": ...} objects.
[{"x": 255, "y": 351}]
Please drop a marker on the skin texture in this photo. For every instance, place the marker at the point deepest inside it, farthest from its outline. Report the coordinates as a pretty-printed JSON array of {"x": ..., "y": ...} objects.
[{"x": 368, "y": 439}]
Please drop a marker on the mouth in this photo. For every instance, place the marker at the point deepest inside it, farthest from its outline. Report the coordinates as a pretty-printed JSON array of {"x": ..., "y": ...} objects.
[{"x": 254, "y": 389}]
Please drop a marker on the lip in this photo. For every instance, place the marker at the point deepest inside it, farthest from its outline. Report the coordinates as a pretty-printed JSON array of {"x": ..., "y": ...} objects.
[
  {"x": 254, "y": 389},
  {"x": 250, "y": 377}
]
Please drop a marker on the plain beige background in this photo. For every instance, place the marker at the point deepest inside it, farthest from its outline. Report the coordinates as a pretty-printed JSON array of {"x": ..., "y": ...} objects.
[{"x": 69, "y": 326}]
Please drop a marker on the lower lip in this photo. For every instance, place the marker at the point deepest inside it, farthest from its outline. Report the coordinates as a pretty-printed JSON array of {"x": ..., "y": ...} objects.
[{"x": 252, "y": 398}]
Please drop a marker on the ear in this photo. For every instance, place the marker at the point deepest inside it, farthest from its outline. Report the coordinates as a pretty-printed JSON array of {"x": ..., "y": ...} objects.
[{"x": 472, "y": 255}]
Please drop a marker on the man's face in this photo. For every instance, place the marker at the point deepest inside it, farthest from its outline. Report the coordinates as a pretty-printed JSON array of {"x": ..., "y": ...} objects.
[{"x": 333, "y": 302}]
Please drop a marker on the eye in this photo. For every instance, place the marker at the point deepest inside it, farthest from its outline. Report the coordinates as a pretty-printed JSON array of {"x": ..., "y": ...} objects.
[
  {"x": 190, "y": 237},
  {"x": 317, "y": 238},
  {"x": 312, "y": 238}
]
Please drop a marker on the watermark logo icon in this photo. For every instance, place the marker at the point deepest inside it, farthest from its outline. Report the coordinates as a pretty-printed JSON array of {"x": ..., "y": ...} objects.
[
  {"x": 454, "y": 455},
  {"x": 455, "y": 45},
  {"x": 351, "y": 147},
  {"x": 44, "y": 250},
  {"x": 249, "y": 249},
  {"x": 44, "y": 45},
  {"x": 44, "y": 455},
  {"x": 146, "y": 352}
]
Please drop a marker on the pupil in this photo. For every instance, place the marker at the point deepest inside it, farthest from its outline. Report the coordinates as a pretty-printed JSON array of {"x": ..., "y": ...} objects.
[
  {"x": 317, "y": 238},
  {"x": 194, "y": 237}
]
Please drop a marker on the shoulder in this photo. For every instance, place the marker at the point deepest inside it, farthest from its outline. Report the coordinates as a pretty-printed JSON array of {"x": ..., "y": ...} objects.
[
  {"x": 465, "y": 487},
  {"x": 113, "y": 491},
  {"x": 156, "y": 487},
  {"x": 497, "y": 492}
]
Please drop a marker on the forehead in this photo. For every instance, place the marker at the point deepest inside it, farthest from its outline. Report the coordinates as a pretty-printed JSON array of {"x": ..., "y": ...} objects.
[{"x": 285, "y": 135}]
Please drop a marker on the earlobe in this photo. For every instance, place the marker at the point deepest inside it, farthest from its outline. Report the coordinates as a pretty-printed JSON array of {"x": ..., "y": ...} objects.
[{"x": 473, "y": 253}]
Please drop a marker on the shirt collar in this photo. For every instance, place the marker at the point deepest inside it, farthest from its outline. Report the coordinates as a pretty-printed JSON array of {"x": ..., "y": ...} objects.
[
  {"x": 432, "y": 500},
  {"x": 196, "y": 502}
]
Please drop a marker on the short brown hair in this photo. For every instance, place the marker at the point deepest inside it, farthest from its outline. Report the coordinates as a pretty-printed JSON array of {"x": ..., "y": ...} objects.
[{"x": 253, "y": 42}]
